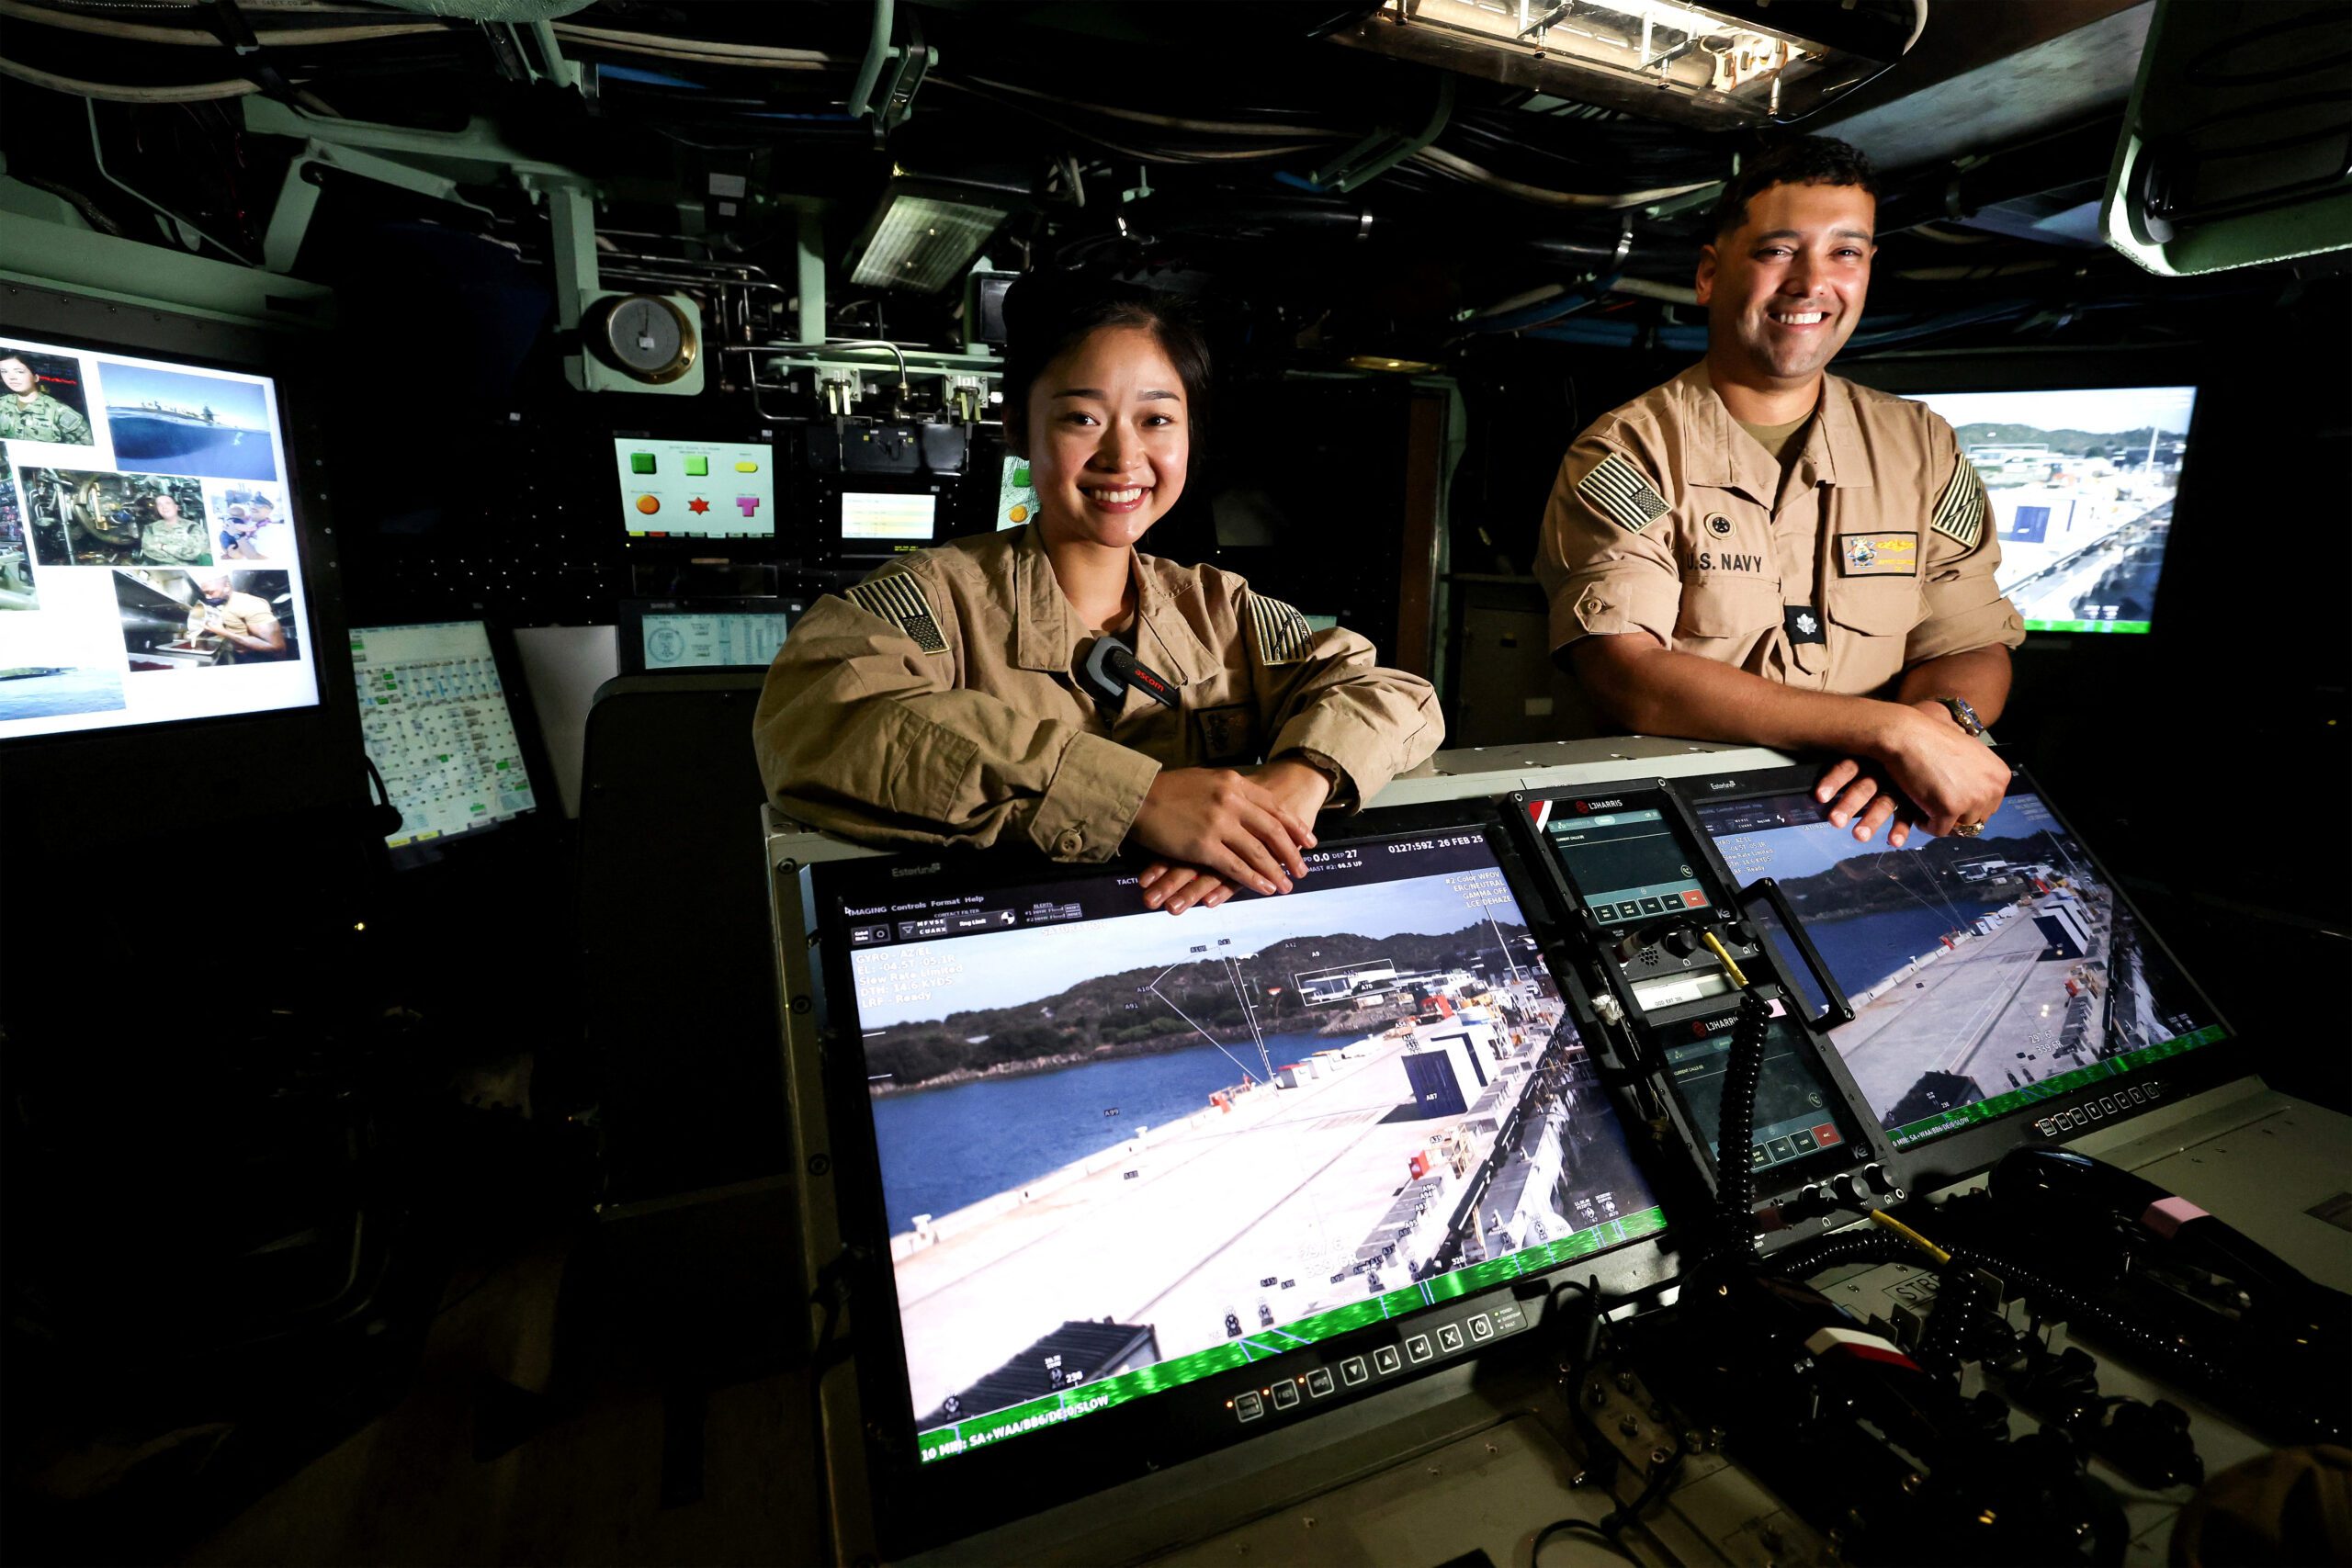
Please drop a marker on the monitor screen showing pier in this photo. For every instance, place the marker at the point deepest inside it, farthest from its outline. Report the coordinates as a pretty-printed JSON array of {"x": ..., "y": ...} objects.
[{"x": 1121, "y": 1151}]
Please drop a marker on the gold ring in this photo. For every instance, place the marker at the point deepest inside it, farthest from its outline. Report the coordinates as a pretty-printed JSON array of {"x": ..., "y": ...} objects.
[{"x": 1966, "y": 829}]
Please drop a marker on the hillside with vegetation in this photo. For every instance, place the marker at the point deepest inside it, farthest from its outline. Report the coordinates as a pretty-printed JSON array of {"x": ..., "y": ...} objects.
[{"x": 1118, "y": 1015}]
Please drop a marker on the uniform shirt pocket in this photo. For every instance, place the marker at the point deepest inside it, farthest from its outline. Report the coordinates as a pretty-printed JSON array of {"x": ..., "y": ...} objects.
[
  {"x": 1876, "y": 607},
  {"x": 1722, "y": 605}
]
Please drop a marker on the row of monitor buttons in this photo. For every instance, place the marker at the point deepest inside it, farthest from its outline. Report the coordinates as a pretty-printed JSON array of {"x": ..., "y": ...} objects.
[
  {"x": 1386, "y": 1361},
  {"x": 2093, "y": 1110}
]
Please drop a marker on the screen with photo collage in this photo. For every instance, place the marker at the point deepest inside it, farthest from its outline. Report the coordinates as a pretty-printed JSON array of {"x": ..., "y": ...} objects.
[{"x": 149, "y": 570}]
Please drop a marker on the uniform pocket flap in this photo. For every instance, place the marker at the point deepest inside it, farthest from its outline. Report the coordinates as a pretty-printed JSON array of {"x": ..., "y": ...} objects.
[
  {"x": 1722, "y": 605},
  {"x": 1877, "y": 606}
]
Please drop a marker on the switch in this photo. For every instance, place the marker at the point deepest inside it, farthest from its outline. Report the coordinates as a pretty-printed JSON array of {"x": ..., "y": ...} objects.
[
  {"x": 1319, "y": 1382},
  {"x": 1286, "y": 1395},
  {"x": 1480, "y": 1328},
  {"x": 1247, "y": 1406},
  {"x": 1418, "y": 1347},
  {"x": 1352, "y": 1371},
  {"x": 1449, "y": 1338},
  {"x": 1385, "y": 1360}
]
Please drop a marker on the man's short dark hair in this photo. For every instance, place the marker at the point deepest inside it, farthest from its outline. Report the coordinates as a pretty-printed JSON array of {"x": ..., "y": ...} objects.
[{"x": 1807, "y": 161}]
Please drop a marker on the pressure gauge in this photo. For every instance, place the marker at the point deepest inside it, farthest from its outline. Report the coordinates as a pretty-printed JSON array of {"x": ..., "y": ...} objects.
[{"x": 646, "y": 338}]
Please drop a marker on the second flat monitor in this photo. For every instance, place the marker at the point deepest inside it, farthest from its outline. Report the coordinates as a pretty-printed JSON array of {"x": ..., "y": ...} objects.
[{"x": 704, "y": 634}]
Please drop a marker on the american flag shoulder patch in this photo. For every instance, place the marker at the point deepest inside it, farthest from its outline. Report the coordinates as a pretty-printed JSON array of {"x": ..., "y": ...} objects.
[
  {"x": 1283, "y": 636},
  {"x": 1619, "y": 491},
  {"x": 896, "y": 596},
  {"x": 1959, "y": 510}
]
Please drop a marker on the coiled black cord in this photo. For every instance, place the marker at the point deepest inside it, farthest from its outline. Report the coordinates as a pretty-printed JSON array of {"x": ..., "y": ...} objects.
[{"x": 1734, "y": 1175}]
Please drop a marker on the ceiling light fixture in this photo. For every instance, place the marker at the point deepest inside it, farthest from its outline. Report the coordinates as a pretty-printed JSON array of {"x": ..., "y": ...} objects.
[{"x": 1727, "y": 62}]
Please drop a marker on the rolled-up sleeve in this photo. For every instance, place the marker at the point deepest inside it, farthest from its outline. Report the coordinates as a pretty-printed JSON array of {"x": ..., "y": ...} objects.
[
  {"x": 1601, "y": 576},
  {"x": 862, "y": 732},
  {"x": 1965, "y": 607},
  {"x": 1339, "y": 703}
]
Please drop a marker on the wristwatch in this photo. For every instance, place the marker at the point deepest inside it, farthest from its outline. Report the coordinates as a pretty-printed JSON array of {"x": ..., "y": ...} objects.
[{"x": 1965, "y": 716}]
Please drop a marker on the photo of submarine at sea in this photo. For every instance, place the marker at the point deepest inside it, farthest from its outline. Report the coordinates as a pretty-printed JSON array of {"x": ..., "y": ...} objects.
[
  {"x": 169, "y": 422},
  {"x": 1242, "y": 1140},
  {"x": 1981, "y": 966}
]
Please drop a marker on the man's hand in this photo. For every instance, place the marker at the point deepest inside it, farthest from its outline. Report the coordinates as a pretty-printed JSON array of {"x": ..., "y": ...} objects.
[
  {"x": 1176, "y": 888},
  {"x": 1949, "y": 775},
  {"x": 1216, "y": 821}
]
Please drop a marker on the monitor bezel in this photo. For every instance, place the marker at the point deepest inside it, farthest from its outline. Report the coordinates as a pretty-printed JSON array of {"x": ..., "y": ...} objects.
[
  {"x": 1955, "y": 1157},
  {"x": 528, "y": 826},
  {"x": 1929, "y": 374},
  {"x": 918, "y": 1505},
  {"x": 314, "y": 567},
  {"x": 629, "y": 628}
]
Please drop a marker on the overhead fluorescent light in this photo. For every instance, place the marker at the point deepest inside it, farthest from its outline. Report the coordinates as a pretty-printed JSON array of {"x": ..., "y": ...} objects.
[
  {"x": 1724, "y": 63},
  {"x": 925, "y": 233}
]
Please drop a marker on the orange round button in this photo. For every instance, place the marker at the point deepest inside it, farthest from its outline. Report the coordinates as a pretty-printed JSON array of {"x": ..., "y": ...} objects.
[
  {"x": 1018, "y": 514},
  {"x": 648, "y": 505}
]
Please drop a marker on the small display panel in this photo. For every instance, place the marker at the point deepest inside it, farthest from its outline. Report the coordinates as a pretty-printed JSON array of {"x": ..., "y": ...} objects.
[
  {"x": 1986, "y": 973},
  {"x": 692, "y": 641},
  {"x": 1626, "y": 865},
  {"x": 2081, "y": 483},
  {"x": 695, "y": 490},
  {"x": 149, "y": 565},
  {"x": 433, "y": 713},
  {"x": 1121, "y": 1152},
  {"x": 1796, "y": 1107},
  {"x": 890, "y": 517},
  {"x": 1016, "y": 494}
]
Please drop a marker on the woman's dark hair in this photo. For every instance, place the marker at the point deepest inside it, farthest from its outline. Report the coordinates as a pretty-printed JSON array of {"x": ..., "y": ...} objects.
[
  {"x": 1807, "y": 161},
  {"x": 1048, "y": 313}
]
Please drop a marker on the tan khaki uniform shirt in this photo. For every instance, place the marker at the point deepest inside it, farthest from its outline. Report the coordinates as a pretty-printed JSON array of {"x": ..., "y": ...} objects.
[
  {"x": 1670, "y": 519},
  {"x": 936, "y": 701}
]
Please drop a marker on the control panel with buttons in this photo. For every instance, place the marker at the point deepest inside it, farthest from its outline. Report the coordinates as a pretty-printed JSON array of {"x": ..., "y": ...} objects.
[
  {"x": 2074, "y": 1119},
  {"x": 1305, "y": 1377}
]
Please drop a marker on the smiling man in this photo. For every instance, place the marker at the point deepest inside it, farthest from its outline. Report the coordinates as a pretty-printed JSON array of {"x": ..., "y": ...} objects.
[{"x": 1760, "y": 551}]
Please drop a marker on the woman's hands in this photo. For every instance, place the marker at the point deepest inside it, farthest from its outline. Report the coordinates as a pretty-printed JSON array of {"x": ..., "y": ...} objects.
[{"x": 1215, "y": 830}]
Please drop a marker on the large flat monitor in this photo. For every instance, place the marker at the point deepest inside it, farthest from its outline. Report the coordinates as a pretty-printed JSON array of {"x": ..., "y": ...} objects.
[
  {"x": 1148, "y": 1182},
  {"x": 433, "y": 710},
  {"x": 695, "y": 490},
  {"x": 149, "y": 568},
  {"x": 2082, "y": 482},
  {"x": 742, "y": 633},
  {"x": 1999, "y": 982}
]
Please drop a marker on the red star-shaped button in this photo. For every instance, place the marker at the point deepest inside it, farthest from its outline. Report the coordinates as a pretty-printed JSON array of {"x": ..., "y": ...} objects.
[{"x": 698, "y": 504}]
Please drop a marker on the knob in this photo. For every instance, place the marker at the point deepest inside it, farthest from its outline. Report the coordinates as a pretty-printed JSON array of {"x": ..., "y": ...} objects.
[
  {"x": 1743, "y": 933},
  {"x": 1849, "y": 1192},
  {"x": 1681, "y": 941},
  {"x": 1874, "y": 1178}
]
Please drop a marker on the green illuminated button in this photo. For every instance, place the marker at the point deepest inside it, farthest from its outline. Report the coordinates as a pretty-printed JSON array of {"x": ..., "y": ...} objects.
[
  {"x": 697, "y": 466},
  {"x": 640, "y": 462}
]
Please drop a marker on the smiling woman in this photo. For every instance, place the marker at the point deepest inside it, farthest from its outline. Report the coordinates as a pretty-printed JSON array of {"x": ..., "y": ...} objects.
[{"x": 1056, "y": 684}]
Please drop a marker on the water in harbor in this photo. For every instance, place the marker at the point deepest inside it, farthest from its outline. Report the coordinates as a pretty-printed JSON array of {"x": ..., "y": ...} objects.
[
  {"x": 1863, "y": 950},
  {"x": 67, "y": 691},
  {"x": 943, "y": 1148}
]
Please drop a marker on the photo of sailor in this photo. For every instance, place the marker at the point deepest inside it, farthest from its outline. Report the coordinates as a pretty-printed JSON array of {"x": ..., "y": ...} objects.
[
  {"x": 172, "y": 421},
  {"x": 79, "y": 518},
  {"x": 252, "y": 527},
  {"x": 17, "y": 591},
  {"x": 201, "y": 620},
  {"x": 42, "y": 398}
]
